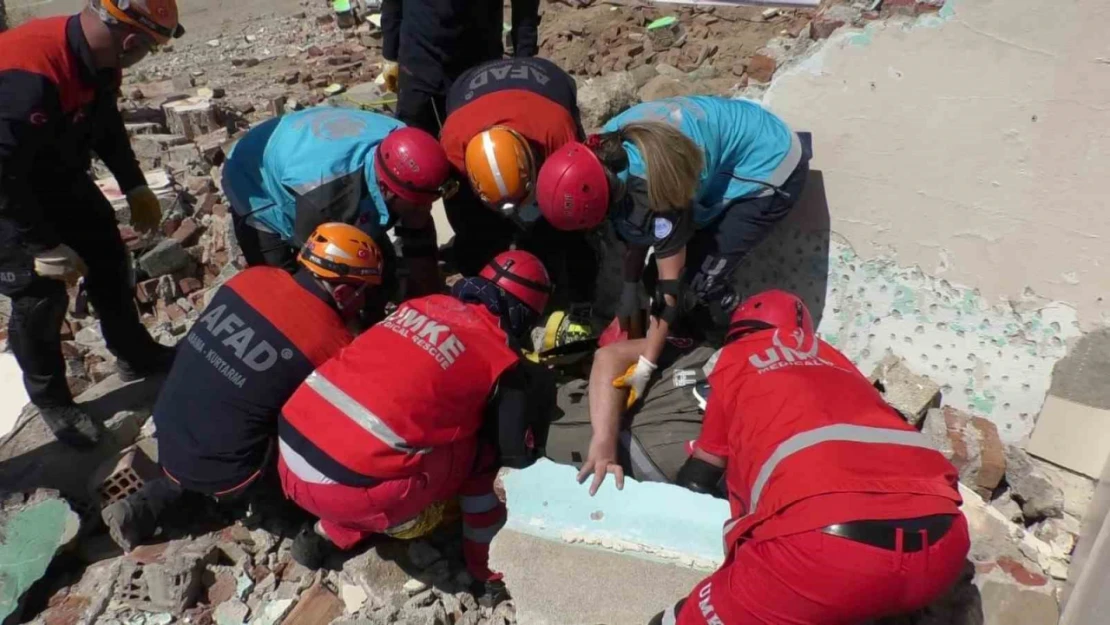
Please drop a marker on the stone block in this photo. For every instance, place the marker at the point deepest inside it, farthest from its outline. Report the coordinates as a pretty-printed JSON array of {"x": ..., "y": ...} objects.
[
  {"x": 192, "y": 117},
  {"x": 124, "y": 476},
  {"x": 317, "y": 606},
  {"x": 972, "y": 444},
  {"x": 909, "y": 393},
  {"x": 33, "y": 528},
  {"x": 1008, "y": 605},
  {"x": 602, "y": 98},
  {"x": 664, "y": 86},
  {"x": 166, "y": 257},
  {"x": 1030, "y": 486},
  {"x": 155, "y": 145},
  {"x": 381, "y": 577}
]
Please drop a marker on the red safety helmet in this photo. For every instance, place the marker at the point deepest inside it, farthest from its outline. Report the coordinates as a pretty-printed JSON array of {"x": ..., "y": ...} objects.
[
  {"x": 573, "y": 189},
  {"x": 413, "y": 165},
  {"x": 521, "y": 275},
  {"x": 770, "y": 309}
]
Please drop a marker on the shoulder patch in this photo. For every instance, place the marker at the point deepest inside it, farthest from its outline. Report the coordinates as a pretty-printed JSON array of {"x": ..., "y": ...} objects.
[{"x": 663, "y": 227}]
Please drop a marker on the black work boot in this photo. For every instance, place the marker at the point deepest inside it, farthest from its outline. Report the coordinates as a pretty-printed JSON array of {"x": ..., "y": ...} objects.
[
  {"x": 311, "y": 549},
  {"x": 71, "y": 426},
  {"x": 159, "y": 361},
  {"x": 124, "y": 524}
]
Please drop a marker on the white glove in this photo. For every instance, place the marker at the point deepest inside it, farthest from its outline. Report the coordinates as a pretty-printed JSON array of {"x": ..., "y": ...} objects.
[
  {"x": 60, "y": 263},
  {"x": 636, "y": 379}
]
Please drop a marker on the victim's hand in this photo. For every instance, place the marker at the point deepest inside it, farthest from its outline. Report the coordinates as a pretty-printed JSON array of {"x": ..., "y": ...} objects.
[{"x": 601, "y": 460}]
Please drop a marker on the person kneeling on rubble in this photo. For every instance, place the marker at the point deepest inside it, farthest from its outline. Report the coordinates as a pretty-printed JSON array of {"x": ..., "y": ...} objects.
[
  {"x": 841, "y": 511},
  {"x": 424, "y": 407},
  {"x": 255, "y": 343},
  {"x": 290, "y": 174}
]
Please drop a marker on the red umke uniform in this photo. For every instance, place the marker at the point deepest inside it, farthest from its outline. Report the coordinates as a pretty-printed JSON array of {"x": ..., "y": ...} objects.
[{"x": 389, "y": 426}]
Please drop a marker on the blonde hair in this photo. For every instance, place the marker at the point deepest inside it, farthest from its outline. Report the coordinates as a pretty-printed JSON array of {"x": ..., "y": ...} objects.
[{"x": 672, "y": 161}]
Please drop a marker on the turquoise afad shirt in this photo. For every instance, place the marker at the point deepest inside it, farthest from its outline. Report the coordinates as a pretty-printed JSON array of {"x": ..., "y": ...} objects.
[
  {"x": 299, "y": 152},
  {"x": 736, "y": 136}
]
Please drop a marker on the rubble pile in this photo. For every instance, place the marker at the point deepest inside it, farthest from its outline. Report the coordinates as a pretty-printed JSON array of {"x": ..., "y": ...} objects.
[
  {"x": 1024, "y": 524},
  {"x": 241, "y": 576}
]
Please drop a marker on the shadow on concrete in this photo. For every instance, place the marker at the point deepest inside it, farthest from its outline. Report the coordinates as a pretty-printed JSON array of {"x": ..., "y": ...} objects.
[
  {"x": 795, "y": 257},
  {"x": 442, "y": 575},
  {"x": 30, "y": 456}
]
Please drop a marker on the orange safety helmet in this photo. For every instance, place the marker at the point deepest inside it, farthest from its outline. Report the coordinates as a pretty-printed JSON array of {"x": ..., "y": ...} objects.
[
  {"x": 501, "y": 168},
  {"x": 156, "y": 18},
  {"x": 342, "y": 253}
]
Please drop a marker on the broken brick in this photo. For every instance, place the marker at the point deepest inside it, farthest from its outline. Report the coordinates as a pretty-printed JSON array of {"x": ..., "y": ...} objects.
[
  {"x": 317, "y": 606},
  {"x": 66, "y": 331},
  {"x": 205, "y": 204},
  {"x": 187, "y": 233},
  {"x": 147, "y": 291},
  {"x": 822, "y": 26},
  {"x": 133, "y": 469},
  {"x": 761, "y": 68},
  {"x": 175, "y": 313},
  {"x": 189, "y": 286},
  {"x": 1021, "y": 574},
  {"x": 971, "y": 444},
  {"x": 314, "y": 51},
  {"x": 170, "y": 225},
  {"x": 219, "y": 210}
]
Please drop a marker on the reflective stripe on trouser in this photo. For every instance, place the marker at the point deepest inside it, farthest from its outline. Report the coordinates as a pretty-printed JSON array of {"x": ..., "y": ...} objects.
[
  {"x": 360, "y": 414},
  {"x": 829, "y": 433},
  {"x": 483, "y": 535}
]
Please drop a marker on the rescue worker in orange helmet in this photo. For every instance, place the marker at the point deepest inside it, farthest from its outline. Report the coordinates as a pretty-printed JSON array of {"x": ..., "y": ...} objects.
[
  {"x": 290, "y": 174},
  {"x": 842, "y": 512},
  {"x": 422, "y": 408},
  {"x": 260, "y": 336},
  {"x": 702, "y": 181},
  {"x": 58, "y": 83},
  {"x": 504, "y": 118}
]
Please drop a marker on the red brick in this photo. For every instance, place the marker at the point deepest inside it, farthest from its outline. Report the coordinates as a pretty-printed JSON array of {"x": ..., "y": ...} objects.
[
  {"x": 222, "y": 589},
  {"x": 147, "y": 291},
  {"x": 1021, "y": 574},
  {"x": 67, "y": 330},
  {"x": 761, "y": 68},
  {"x": 219, "y": 210},
  {"x": 175, "y": 313},
  {"x": 314, "y": 52},
  {"x": 187, "y": 233},
  {"x": 189, "y": 286},
  {"x": 317, "y": 606},
  {"x": 822, "y": 26},
  {"x": 170, "y": 225}
]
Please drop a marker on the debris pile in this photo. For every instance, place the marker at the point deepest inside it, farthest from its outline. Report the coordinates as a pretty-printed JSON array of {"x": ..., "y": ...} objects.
[{"x": 1024, "y": 526}]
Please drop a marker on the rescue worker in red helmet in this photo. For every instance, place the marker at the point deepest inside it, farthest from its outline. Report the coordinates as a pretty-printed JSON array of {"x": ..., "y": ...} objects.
[
  {"x": 290, "y": 174},
  {"x": 841, "y": 511},
  {"x": 59, "y": 78},
  {"x": 504, "y": 118},
  {"x": 422, "y": 408},
  {"x": 259, "y": 337},
  {"x": 701, "y": 180}
]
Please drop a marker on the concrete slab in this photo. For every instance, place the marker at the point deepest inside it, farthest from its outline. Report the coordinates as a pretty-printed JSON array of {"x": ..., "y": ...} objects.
[
  {"x": 30, "y": 456},
  {"x": 32, "y": 529},
  {"x": 1072, "y": 435},
  {"x": 12, "y": 394},
  {"x": 554, "y": 583}
]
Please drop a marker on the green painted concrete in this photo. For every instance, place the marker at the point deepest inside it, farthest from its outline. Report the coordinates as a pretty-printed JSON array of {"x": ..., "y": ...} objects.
[{"x": 30, "y": 537}]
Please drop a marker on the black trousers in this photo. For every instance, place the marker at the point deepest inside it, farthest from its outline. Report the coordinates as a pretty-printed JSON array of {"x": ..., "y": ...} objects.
[
  {"x": 481, "y": 234},
  {"x": 85, "y": 222}
]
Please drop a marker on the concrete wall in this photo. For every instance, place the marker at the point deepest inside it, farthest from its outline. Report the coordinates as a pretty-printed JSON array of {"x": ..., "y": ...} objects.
[{"x": 963, "y": 158}]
